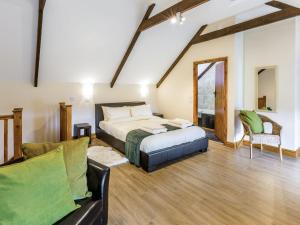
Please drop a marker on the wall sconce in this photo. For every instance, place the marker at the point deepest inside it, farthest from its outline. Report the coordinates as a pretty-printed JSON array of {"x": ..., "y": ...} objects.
[
  {"x": 144, "y": 90},
  {"x": 88, "y": 91}
]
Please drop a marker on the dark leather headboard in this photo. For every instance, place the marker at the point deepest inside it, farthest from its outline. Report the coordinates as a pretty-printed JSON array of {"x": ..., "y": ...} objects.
[{"x": 99, "y": 112}]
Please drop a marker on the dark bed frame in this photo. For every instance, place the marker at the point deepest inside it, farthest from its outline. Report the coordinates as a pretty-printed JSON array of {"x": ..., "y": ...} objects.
[{"x": 153, "y": 160}]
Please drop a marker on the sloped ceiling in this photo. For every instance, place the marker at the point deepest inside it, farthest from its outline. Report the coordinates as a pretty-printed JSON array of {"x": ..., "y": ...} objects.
[{"x": 86, "y": 40}]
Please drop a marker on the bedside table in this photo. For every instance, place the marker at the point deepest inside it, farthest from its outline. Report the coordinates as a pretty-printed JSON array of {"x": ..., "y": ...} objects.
[
  {"x": 87, "y": 131},
  {"x": 159, "y": 115}
]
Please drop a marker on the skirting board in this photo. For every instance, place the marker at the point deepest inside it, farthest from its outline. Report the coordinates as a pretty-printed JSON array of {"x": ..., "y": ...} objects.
[{"x": 286, "y": 152}]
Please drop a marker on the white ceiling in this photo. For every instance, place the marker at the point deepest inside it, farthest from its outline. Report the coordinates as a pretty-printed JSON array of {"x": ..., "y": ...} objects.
[{"x": 86, "y": 40}]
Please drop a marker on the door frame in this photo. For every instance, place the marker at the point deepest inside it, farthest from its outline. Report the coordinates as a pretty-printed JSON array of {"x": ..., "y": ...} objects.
[{"x": 195, "y": 89}]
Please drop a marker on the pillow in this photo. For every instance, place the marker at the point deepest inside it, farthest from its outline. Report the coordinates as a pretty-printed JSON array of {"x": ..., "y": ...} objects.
[
  {"x": 254, "y": 121},
  {"x": 142, "y": 111},
  {"x": 104, "y": 109},
  {"x": 268, "y": 127},
  {"x": 36, "y": 191},
  {"x": 75, "y": 156},
  {"x": 114, "y": 113}
]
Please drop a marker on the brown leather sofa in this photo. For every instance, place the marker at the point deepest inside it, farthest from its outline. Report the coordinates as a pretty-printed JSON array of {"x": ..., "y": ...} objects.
[{"x": 94, "y": 210}]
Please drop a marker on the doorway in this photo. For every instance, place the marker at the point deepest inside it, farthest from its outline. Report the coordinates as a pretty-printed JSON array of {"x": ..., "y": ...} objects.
[{"x": 210, "y": 97}]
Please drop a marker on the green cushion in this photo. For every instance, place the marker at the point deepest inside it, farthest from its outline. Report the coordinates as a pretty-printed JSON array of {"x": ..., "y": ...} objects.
[
  {"x": 35, "y": 191},
  {"x": 75, "y": 156},
  {"x": 253, "y": 120}
]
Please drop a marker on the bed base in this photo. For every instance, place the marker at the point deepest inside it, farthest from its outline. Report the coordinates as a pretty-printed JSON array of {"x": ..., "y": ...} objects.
[{"x": 158, "y": 159}]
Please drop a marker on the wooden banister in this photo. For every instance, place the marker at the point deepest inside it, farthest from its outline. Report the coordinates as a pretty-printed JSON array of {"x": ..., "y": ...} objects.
[
  {"x": 65, "y": 122},
  {"x": 7, "y": 117},
  {"x": 17, "y": 132}
]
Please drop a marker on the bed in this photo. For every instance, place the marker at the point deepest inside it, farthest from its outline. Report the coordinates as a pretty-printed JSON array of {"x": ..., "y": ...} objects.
[{"x": 156, "y": 151}]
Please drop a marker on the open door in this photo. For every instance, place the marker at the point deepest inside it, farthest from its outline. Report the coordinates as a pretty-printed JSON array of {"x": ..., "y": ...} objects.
[
  {"x": 220, "y": 102},
  {"x": 210, "y": 97}
]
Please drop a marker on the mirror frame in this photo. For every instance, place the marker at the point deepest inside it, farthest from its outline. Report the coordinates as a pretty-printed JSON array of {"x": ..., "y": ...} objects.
[{"x": 256, "y": 87}]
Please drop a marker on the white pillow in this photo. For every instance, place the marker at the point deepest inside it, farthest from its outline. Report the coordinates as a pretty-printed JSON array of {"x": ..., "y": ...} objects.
[
  {"x": 114, "y": 113},
  {"x": 141, "y": 111},
  {"x": 104, "y": 109},
  {"x": 268, "y": 127}
]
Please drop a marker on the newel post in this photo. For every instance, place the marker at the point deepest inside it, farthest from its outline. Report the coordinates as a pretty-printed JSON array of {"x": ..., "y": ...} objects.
[{"x": 17, "y": 113}]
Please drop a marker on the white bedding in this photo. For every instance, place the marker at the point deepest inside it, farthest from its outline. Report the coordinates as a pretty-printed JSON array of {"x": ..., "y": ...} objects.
[{"x": 120, "y": 128}]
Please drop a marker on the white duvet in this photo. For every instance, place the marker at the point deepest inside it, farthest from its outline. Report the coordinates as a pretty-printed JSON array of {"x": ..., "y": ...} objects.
[{"x": 120, "y": 128}]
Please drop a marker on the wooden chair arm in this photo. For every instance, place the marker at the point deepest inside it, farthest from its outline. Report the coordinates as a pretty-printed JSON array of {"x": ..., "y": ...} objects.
[{"x": 247, "y": 129}]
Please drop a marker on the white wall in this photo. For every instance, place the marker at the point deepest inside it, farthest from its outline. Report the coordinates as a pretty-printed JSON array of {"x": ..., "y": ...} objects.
[
  {"x": 41, "y": 109},
  {"x": 297, "y": 82},
  {"x": 273, "y": 45}
]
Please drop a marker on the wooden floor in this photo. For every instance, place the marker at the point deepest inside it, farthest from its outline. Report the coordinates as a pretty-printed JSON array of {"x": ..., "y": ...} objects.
[{"x": 218, "y": 187}]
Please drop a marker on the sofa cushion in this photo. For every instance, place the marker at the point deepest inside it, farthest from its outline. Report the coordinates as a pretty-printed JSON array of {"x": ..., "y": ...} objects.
[
  {"x": 253, "y": 120},
  {"x": 88, "y": 214},
  {"x": 75, "y": 156},
  {"x": 35, "y": 191},
  {"x": 268, "y": 139}
]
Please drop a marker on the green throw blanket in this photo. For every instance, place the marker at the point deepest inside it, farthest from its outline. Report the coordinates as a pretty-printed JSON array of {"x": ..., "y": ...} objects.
[{"x": 133, "y": 142}]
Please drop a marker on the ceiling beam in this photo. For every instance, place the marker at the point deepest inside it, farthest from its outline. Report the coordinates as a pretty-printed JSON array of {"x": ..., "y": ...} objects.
[
  {"x": 280, "y": 5},
  {"x": 286, "y": 12},
  {"x": 206, "y": 70},
  {"x": 165, "y": 15},
  {"x": 181, "y": 55},
  {"x": 131, "y": 46},
  {"x": 39, "y": 40},
  {"x": 261, "y": 71}
]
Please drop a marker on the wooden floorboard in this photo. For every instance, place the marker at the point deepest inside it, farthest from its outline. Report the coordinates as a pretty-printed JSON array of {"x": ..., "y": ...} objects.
[{"x": 219, "y": 187}]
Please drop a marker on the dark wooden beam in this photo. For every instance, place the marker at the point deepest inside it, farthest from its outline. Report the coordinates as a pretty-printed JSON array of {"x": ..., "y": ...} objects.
[
  {"x": 182, "y": 6},
  {"x": 262, "y": 70},
  {"x": 181, "y": 55},
  {"x": 39, "y": 39},
  {"x": 280, "y": 5},
  {"x": 131, "y": 46},
  {"x": 206, "y": 70},
  {"x": 286, "y": 13}
]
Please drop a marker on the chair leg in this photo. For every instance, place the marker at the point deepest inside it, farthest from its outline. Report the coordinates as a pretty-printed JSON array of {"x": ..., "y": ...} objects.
[
  {"x": 240, "y": 142},
  {"x": 261, "y": 147},
  {"x": 251, "y": 151},
  {"x": 280, "y": 152}
]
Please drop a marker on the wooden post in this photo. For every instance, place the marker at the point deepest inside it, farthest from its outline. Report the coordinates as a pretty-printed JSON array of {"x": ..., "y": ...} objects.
[
  {"x": 65, "y": 122},
  {"x": 69, "y": 122},
  {"x": 5, "y": 140},
  {"x": 62, "y": 119},
  {"x": 17, "y": 113}
]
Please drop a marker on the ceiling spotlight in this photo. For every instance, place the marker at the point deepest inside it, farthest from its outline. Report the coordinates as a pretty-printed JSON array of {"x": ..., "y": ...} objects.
[
  {"x": 178, "y": 18},
  {"x": 173, "y": 20}
]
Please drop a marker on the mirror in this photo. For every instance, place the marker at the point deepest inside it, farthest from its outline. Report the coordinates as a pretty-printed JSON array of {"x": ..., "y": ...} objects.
[{"x": 266, "y": 89}]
